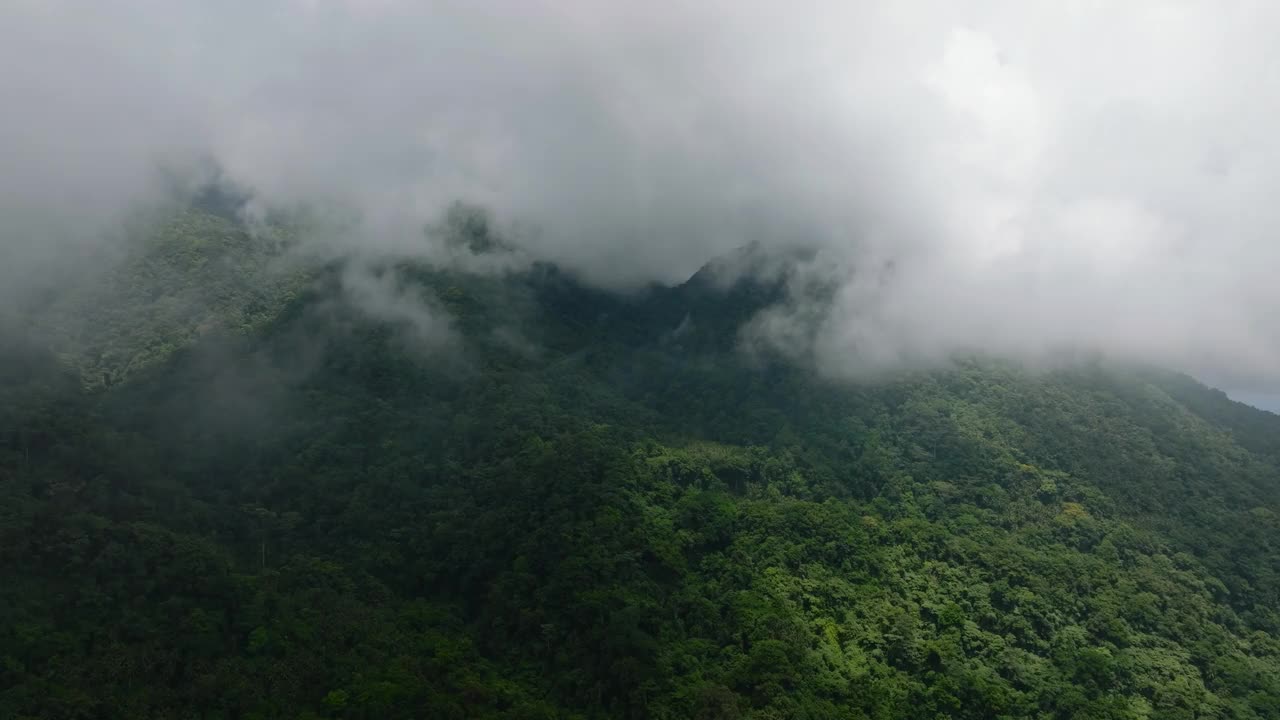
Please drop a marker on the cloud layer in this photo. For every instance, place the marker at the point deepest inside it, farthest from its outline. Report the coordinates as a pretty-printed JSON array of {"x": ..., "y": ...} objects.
[{"x": 1041, "y": 175}]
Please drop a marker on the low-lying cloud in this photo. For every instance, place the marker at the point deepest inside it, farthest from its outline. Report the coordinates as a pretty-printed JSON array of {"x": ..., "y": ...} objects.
[{"x": 1038, "y": 175}]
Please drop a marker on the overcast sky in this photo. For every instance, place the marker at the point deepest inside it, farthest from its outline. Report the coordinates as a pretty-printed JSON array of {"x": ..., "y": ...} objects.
[{"x": 1041, "y": 174}]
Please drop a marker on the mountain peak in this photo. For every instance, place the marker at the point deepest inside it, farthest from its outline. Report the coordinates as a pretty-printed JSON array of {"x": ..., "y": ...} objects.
[{"x": 753, "y": 263}]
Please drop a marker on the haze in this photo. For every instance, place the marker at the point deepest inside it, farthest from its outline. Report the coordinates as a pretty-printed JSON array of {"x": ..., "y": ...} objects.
[{"x": 1040, "y": 176}]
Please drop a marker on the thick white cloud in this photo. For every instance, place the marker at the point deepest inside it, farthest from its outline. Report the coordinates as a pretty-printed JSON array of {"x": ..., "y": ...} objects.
[{"x": 1042, "y": 174}]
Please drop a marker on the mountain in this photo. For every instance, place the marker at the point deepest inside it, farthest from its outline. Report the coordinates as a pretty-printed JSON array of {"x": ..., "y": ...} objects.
[{"x": 238, "y": 485}]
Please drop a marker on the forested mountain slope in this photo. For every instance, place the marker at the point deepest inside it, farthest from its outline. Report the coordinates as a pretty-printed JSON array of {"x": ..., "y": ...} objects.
[{"x": 230, "y": 490}]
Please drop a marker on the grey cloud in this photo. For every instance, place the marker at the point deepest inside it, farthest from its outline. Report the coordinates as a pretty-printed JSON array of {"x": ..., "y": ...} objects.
[{"x": 1040, "y": 175}]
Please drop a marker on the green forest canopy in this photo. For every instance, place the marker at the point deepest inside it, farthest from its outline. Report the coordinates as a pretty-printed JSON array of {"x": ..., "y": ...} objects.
[{"x": 225, "y": 493}]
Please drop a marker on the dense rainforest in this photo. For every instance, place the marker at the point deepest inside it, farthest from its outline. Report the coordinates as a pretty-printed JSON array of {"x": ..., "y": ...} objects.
[{"x": 239, "y": 484}]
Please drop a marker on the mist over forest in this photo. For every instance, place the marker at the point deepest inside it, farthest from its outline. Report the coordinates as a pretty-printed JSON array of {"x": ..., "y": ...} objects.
[
  {"x": 1039, "y": 177},
  {"x": 557, "y": 359}
]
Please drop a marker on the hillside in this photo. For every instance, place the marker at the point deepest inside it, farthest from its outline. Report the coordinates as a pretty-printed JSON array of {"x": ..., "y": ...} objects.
[{"x": 234, "y": 486}]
